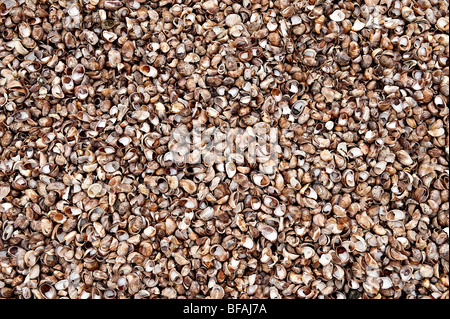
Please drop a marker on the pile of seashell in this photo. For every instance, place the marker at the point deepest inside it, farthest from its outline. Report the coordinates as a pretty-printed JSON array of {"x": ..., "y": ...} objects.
[{"x": 224, "y": 149}]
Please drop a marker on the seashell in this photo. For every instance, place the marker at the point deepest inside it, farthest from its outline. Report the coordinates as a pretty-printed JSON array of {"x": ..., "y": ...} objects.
[
  {"x": 437, "y": 132},
  {"x": 342, "y": 254},
  {"x": 78, "y": 73},
  {"x": 232, "y": 19},
  {"x": 185, "y": 69},
  {"x": 326, "y": 155},
  {"x": 348, "y": 178},
  {"x": 188, "y": 185},
  {"x": 298, "y": 107},
  {"x": 170, "y": 226},
  {"x": 46, "y": 226},
  {"x": 148, "y": 70},
  {"x": 261, "y": 180},
  {"x": 67, "y": 84},
  {"x": 379, "y": 167},
  {"x": 396, "y": 255},
  {"x": 96, "y": 190},
  {"x": 114, "y": 58},
  {"x": 192, "y": 58},
  {"x": 127, "y": 50},
  {"x": 295, "y": 278},
  {"x": 406, "y": 273},
  {"x": 47, "y": 291},
  {"x": 19, "y": 47},
  {"x": 219, "y": 253},
  {"x": 180, "y": 259},
  {"x": 270, "y": 201},
  {"x": 33, "y": 66},
  {"x": 442, "y": 24},
  {"x": 124, "y": 141},
  {"x": 57, "y": 92},
  {"x": 385, "y": 283},
  {"x": 230, "y": 169},
  {"x": 308, "y": 192},
  {"x": 30, "y": 258},
  {"x": 255, "y": 203},
  {"x": 207, "y": 213},
  {"x": 61, "y": 284},
  {"x": 355, "y": 152},
  {"x": 59, "y": 218},
  {"x": 109, "y": 36},
  {"x": 81, "y": 92},
  {"x": 111, "y": 167},
  {"x": 308, "y": 252},
  {"x": 175, "y": 277},
  {"x": 91, "y": 37},
  {"x": 280, "y": 210},
  {"x": 33, "y": 274},
  {"x": 247, "y": 242},
  {"x": 359, "y": 242},
  {"x": 337, "y": 16},
  {"x": 280, "y": 272},
  {"x": 426, "y": 271},
  {"x": 325, "y": 259},
  {"x": 268, "y": 232},
  {"x": 217, "y": 292},
  {"x": 24, "y": 30},
  {"x": 358, "y": 25},
  {"x": 150, "y": 231},
  {"x": 4, "y": 190},
  {"x": 404, "y": 158}
]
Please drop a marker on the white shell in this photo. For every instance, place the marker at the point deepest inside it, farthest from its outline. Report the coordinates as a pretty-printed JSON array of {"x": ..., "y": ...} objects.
[
  {"x": 437, "y": 132},
  {"x": 269, "y": 232},
  {"x": 395, "y": 215},
  {"x": 358, "y": 25},
  {"x": 308, "y": 252},
  {"x": 325, "y": 259},
  {"x": 337, "y": 16},
  {"x": 247, "y": 242}
]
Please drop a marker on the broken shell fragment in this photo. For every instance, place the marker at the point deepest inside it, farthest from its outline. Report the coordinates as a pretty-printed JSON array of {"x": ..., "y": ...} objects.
[
  {"x": 337, "y": 16},
  {"x": 96, "y": 190},
  {"x": 268, "y": 232}
]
